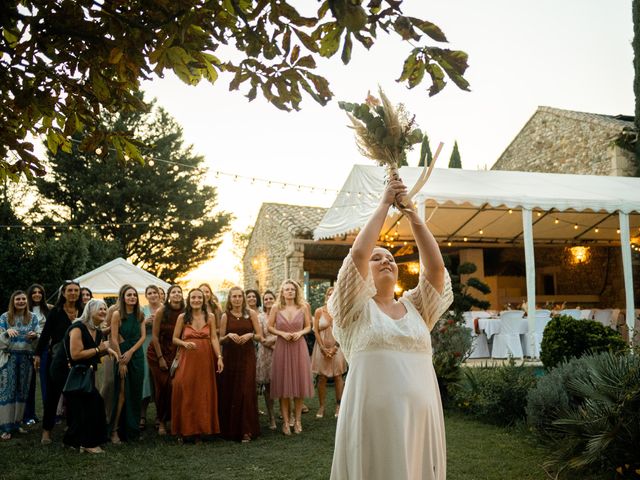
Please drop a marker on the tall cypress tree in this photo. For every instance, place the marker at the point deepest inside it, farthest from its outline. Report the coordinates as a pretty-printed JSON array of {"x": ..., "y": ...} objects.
[
  {"x": 161, "y": 213},
  {"x": 454, "y": 161},
  {"x": 425, "y": 152}
]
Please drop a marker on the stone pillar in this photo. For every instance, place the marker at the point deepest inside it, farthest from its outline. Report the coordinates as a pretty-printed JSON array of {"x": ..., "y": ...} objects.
[
  {"x": 622, "y": 161},
  {"x": 294, "y": 265}
]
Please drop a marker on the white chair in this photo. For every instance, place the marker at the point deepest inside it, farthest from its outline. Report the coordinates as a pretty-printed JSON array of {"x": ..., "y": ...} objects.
[
  {"x": 479, "y": 343},
  {"x": 603, "y": 316},
  {"x": 542, "y": 318},
  {"x": 573, "y": 313},
  {"x": 507, "y": 342}
]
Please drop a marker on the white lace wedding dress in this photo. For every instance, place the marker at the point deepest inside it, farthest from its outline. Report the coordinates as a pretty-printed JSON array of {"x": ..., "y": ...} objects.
[{"x": 391, "y": 423}]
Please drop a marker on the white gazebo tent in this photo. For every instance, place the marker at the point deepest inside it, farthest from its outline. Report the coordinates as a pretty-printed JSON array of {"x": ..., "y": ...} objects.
[
  {"x": 106, "y": 280},
  {"x": 483, "y": 208}
]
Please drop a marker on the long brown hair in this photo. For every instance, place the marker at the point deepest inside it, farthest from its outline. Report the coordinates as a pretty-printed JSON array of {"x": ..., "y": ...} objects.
[
  {"x": 122, "y": 306},
  {"x": 213, "y": 303},
  {"x": 167, "y": 303},
  {"x": 229, "y": 307},
  {"x": 11, "y": 312},
  {"x": 44, "y": 307},
  {"x": 188, "y": 311}
]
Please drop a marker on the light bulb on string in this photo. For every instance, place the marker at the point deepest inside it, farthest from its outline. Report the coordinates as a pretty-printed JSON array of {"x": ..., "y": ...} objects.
[
  {"x": 126, "y": 157},
  {"x": 575, "y": 227},
  {"x": 597, "y": 230},
  {"x": 98, "y": 151},
  {"x": 176, "y": 168},
  {"x": 556, "y": 221},
  {"x": 151, "y": 163}
]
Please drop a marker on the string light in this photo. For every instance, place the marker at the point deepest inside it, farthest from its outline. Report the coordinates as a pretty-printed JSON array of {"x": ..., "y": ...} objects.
[{"x": 510, "y": 211}]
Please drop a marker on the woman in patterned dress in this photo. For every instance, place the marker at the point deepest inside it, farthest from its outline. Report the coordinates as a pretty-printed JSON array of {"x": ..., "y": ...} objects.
[
  {"x": 18, "y": 332},
  {"x": 152, "y": 294},
  {"x": 265, "y": 356}
]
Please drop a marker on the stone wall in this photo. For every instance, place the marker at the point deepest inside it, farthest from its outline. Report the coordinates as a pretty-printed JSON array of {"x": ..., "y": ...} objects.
[
  {"x": 600, "y": 275},
  {"x": 561, "y": 141},
  {"x": 264, "y": 261}
]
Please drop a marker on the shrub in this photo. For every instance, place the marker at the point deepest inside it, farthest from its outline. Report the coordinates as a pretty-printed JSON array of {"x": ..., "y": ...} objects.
[
  {"x": 451, "y": 342},
  {"x": 601, "y": 429},
  {"x": 550, "y": 397},
  {"x": 495, "y": 394},
  {"x": 565, "y": 338}
]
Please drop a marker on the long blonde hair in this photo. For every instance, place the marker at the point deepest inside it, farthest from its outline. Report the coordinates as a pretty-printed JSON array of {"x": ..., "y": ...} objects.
[{"x": 298, "y": 300}]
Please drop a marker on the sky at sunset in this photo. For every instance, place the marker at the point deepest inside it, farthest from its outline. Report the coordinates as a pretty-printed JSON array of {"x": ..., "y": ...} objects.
[{"x": 569, "y": 54}]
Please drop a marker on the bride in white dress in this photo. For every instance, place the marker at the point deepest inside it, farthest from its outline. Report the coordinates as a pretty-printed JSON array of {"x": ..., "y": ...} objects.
[{"x": 391, "y": 424}]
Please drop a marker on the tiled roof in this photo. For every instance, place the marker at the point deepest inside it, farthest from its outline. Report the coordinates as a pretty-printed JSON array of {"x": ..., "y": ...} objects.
[
  {"x": 620, "y": 121},
  {"x": 299, "y": 220}
]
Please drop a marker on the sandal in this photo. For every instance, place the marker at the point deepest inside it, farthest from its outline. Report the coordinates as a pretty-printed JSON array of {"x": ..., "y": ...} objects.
[{"x": 5, "y": 436}]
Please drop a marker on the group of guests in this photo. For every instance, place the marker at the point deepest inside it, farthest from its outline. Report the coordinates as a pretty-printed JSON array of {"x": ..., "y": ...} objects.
[{"x": 201, "y": 364}]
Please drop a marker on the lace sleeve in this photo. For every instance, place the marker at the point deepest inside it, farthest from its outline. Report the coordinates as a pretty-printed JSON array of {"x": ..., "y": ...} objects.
[
  {"x": 429, "y": 303},
  {"x": 351, "y": 294}
]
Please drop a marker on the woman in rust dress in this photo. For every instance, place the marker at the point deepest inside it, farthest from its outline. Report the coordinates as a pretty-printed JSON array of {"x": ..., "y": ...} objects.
[
  {"x": 161, "y": 353},
  {"x": 194, "y": 401},
  {"x": 238, "y": 398}
]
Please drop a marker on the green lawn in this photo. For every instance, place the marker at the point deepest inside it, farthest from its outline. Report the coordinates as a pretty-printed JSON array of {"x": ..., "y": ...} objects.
[{"x": 475, "y": 452}]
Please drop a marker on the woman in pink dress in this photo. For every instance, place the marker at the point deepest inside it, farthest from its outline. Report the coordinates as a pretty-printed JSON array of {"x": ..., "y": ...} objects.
[
  {"x": 327, "y": 360},
  {"x": 290, "y": 320}
]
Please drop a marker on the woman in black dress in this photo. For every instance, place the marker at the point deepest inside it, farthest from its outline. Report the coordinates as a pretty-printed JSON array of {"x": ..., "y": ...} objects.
[
  {"x": 67, "y": 308},
  {"x": 86, "y": 420}
]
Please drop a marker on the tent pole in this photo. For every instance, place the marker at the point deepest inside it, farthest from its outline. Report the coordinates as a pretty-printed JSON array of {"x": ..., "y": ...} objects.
[
  {"x": 530, "y": 268},
  {"x": 625, "y": 245}
]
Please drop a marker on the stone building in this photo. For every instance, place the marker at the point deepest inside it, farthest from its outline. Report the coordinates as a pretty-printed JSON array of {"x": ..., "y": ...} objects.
[
  {"x": 281, "y": 246},
  {"x": 564, "y": 141}
]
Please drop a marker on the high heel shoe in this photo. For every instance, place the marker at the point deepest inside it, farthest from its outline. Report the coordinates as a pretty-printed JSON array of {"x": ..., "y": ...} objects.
[
  {"x": 272, "y": 424},
  {"x": 115, "y": 439},
  {"x": 286, "y": 430},
  {"x": 297, "y": 429},
  {"x": 320, "y": 413},
  {"x": 94, "y": 450}
]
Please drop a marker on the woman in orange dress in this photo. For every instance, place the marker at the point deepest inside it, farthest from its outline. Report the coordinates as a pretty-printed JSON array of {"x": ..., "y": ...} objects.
[{"x": 194, "y": 401}]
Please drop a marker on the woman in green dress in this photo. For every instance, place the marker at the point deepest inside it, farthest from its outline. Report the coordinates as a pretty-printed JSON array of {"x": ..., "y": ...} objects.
[{"x": 127, "y": 336}]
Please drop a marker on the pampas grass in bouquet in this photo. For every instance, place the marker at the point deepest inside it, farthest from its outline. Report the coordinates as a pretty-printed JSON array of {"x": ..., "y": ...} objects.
[{"x": 385, "y": 133}]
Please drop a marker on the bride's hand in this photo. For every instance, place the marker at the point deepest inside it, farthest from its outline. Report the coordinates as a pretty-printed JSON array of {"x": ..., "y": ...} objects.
[{"x": 393, "y": 190}]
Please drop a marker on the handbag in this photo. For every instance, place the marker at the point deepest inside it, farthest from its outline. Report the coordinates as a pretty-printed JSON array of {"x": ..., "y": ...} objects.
[
  {"x": 80, "y": 378},
  {"x": 174, "y": 366}
]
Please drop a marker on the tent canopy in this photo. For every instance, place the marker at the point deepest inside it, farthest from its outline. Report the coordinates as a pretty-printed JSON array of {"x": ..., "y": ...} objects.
[
  {"x": 107, "y": 279},
  {"x": 483, "y": 207},
  {"x": 497, "y": 207}
]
